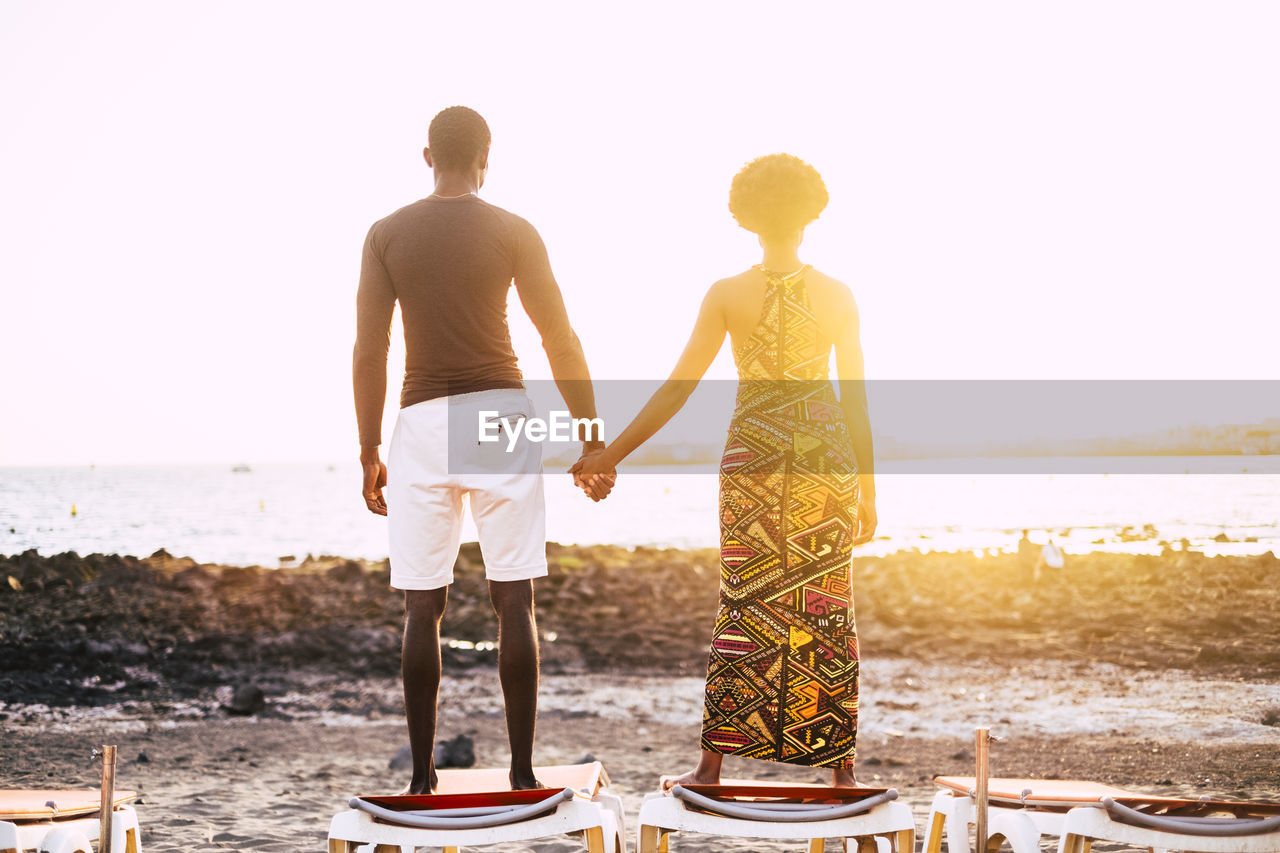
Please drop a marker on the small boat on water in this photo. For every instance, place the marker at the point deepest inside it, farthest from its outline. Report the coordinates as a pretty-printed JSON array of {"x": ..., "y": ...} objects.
[{"x": 240, "y": 469}]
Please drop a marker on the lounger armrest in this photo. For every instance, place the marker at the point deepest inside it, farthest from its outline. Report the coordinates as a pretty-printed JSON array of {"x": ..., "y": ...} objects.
[
  {"x": 500, "y": 817},
  {"x": 1218, "y": 827},
  {"x": 794, "y": 814}
]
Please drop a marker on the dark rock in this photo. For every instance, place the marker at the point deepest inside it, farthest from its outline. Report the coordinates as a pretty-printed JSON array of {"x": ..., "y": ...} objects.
[
  {"x": 99, "y": 648},
  {"x": 587, "y": 758},
  {"x": 238, "y": 576},
  {"x": 143, "y": 758},
  {"x": 194, "y": 579},
  {"x": 460, "y": 658},
  {"x": 248, "y": 699},
  {"x": 346, "y": 572},
  {"x": 372, "y": 642},
  {"x": 457, "y": 752},
  {"x": 402, "y": 760}
]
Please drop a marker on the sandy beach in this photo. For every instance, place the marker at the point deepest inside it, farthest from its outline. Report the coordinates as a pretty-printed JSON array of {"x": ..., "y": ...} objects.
[{"x": 1157, "y": 673}]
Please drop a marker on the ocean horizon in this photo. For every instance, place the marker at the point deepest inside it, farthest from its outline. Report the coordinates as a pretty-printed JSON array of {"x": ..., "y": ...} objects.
[{"x": 274, "y": 514}]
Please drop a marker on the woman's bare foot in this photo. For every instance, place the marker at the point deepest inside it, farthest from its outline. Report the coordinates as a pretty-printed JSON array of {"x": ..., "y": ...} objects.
[
  {"x": 842, "y": 777},
  {"x": 693, "y": 777},
  {"x": 706, "y": 773}
]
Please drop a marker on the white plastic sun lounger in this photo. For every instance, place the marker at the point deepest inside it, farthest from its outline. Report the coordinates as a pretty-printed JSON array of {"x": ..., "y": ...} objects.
[
  {"x": 1021, "y": 810},
  {"x": 761, "y": 810},
  {"x": 1206, "y": 826},
  {"x": 474, "y": 808},
  {"x": 1077, "y": 813},
  {"x": 65, "y": 821}
]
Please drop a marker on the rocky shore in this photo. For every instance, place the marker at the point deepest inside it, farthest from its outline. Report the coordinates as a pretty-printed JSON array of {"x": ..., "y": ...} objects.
[
  {"x": 249, "y": 703},
  {"x": 98, "y": 629}
]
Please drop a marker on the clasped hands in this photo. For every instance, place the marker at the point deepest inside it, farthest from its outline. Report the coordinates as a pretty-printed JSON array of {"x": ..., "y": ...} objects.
[{"x": 592, "y": 475}]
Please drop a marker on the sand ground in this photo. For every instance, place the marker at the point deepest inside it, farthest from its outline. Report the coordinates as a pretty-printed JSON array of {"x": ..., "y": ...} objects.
[{"x": 271, "y": 782}]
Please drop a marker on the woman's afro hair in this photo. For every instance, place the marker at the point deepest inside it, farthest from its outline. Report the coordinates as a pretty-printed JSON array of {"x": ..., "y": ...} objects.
[
  {"x": 456, "y": 135},
  {"x": 777, "y": 195}
]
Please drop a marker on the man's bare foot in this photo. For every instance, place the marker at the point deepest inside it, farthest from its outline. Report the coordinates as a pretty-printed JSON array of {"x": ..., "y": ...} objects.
[
  {"x": 416, "y": 790},
  {"x": 842, "y": 777},
  {"x": 693, "y": 777},
  {"x": 524, "y": 781},
  {"x": 417, "y": 787}
]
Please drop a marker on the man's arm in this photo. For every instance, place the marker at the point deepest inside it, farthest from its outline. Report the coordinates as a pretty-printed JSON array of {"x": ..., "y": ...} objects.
[
  {"x": 375, "y": 303},
  {"x": 543, "y": 302}
]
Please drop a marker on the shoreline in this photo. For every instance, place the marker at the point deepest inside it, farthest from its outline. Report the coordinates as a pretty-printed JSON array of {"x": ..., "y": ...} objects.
[
  {"x": 290, "y": 510},
  {"x": 899, "y": 698}
]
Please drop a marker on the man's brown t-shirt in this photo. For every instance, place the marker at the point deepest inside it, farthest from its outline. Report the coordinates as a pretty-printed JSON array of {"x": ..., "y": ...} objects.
[{"x": 449, "y": 262}]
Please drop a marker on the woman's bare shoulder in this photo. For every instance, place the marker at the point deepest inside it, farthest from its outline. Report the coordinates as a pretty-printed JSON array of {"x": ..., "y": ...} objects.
[
  {"x": 818, "y": 277},
  {"x": 731, "y": 287},
  {"x": 832, "y": 290}
]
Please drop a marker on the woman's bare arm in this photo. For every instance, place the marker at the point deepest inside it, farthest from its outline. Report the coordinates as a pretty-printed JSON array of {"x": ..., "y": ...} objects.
[
  {"x": 703, "y": 346},
  {"x": 853, "y": 399}
]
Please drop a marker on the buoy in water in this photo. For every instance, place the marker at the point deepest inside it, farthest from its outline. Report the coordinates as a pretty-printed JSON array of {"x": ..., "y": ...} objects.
[{"x": 73, "y": 510}]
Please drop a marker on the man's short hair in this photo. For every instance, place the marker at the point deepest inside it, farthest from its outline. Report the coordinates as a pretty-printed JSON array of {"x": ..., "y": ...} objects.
[{"x": 456, "y": 136}]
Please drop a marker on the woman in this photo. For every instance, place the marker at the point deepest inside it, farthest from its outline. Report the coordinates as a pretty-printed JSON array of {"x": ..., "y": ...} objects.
[{"x": 796, "y": 489}]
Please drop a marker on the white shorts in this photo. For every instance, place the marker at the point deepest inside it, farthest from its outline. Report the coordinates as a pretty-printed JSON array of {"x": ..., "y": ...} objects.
[{"x": 436, "y": 458}]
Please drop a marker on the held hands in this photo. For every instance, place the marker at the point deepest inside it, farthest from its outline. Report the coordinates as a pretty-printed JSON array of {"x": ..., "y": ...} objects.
[
  {"x": 592, "y": 476},
  {"x": 375, "y": 479}
]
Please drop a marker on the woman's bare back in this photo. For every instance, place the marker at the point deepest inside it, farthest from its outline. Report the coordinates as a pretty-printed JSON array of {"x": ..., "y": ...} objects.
[{"x": 741, "y": 300}]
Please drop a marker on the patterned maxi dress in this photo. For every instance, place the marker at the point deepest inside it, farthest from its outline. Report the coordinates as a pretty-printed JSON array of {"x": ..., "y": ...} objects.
[{"x": 782, "y": 674}]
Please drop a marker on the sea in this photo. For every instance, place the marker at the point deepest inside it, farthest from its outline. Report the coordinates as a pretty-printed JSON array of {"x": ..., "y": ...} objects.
[{"x": 277, "y": 514}]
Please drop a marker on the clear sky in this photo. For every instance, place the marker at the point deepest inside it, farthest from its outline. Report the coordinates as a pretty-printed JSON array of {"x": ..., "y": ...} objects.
[{"x": 1082, "y": 190}]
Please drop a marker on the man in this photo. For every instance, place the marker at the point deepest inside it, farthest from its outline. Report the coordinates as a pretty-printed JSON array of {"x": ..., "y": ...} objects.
[{"x": 449, "y": 260}]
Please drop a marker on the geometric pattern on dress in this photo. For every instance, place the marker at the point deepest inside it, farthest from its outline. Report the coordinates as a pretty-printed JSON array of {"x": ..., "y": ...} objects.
[{"x": 782, "y": 672}]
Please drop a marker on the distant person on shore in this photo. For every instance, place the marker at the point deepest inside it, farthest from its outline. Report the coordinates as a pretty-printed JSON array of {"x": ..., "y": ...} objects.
[
  {"x": 796, "y": 489},
  {"x": 1034, "y": 559},
  {"x": 449, "y": 260},
  {"x": 1028, "y": 555},
  {"x": 1051, "y": 557}
]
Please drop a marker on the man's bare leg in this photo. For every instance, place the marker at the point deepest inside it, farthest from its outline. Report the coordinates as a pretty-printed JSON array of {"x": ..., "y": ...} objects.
[
  {"x": 420, "y": 667},
  {"x": 518, "y": 672},
  {"x": 706, "y": 773}
]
